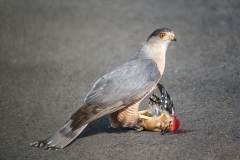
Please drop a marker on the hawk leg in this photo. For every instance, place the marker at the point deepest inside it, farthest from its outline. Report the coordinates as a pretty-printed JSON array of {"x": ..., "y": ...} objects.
[{"x": 127, "y": 117}]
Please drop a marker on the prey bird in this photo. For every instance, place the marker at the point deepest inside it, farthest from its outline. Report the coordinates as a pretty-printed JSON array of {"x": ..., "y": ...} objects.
[
  {"x": 160, "y": 114},
  {"x": 119, "y": 92}
]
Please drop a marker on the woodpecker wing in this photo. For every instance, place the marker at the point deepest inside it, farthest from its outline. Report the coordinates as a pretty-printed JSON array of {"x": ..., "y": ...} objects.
[
  {"x": 166, "y": 102},
  {"x": 158, "y": 105}
]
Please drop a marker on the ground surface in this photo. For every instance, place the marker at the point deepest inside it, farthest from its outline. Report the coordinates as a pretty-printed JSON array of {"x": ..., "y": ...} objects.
[{"x": 51, "y": 53}]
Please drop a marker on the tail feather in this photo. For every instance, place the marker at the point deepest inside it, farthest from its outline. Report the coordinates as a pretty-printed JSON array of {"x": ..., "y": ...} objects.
[
  {"x": 61, "y": 138},
  {"x": 72, "y": 128}
]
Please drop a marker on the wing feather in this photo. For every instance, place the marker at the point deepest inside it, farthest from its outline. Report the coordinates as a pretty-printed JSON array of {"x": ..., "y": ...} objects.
[{"x": 125, "y": 84}]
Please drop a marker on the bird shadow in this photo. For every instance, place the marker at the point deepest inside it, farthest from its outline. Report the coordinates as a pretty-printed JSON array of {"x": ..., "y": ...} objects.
[{"x": 101, "y": 125}]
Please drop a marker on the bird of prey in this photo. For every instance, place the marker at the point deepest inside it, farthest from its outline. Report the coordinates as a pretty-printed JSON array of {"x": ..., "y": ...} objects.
[
  {"x": 160, "y": 114},
  {"x": 119, "y": 92}
]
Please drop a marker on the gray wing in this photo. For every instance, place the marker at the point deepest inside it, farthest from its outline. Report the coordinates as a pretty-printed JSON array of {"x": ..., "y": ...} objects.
[{"x": 124, "y": 85}]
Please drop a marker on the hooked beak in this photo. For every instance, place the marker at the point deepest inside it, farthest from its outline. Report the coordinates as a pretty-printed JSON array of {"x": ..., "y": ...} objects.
[{"x": 173, "y": 38}]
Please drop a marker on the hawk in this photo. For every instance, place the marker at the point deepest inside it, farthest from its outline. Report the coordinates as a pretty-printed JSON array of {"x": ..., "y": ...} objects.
[{"x": 119, "y": 92}]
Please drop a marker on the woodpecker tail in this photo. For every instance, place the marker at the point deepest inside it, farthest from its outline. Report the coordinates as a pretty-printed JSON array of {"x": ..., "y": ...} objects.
[{"x": 71, "y": 129}]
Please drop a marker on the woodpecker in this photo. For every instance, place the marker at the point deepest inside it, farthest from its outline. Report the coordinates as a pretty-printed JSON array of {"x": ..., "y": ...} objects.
[{"x": 160, "y": 114}]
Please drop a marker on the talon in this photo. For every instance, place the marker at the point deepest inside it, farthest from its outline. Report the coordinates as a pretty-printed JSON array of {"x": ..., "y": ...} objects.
[
  {"x": 34, "y": 144},
  {"x": 139, "y": 129},
  {"x": 41, "y": 145}
]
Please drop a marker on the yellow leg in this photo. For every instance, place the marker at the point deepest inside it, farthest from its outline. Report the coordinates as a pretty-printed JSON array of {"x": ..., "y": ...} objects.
[
  {"x": 144, "y": 117},
  {"x": 143, "y": 112}
]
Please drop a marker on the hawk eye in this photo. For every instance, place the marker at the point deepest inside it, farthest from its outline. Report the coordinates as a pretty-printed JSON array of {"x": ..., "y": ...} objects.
[{"x": 162, "y": 35}]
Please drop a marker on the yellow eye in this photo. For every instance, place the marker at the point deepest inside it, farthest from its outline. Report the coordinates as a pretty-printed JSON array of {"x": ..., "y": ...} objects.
[{"x": 162, "y": 35}]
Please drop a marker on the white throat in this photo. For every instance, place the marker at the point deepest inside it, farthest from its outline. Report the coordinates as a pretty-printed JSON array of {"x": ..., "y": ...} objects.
[{"x": 157, "y": 52}]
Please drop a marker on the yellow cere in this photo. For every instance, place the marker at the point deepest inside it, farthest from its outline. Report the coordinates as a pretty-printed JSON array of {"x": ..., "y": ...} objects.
[{"x": 171, "y": 37}]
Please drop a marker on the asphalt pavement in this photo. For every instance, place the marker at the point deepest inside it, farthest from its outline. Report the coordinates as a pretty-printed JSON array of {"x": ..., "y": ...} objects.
[{"x": 52, "y": 52}]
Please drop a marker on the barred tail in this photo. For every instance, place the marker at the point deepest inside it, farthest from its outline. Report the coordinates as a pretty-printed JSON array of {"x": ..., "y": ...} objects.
[
  {"x": 72, "y": 128},
  {"x": 61, "y": 138}
]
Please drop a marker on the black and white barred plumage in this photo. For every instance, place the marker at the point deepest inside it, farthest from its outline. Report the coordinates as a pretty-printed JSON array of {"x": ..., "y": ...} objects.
[{"x": 163, "y": 104}]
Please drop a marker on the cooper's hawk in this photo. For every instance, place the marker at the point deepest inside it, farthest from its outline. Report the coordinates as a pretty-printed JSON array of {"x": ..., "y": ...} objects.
[{"x": 119, "y": 92}]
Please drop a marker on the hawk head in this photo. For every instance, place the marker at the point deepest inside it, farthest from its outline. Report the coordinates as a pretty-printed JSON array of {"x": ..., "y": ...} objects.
[{"x": 163, "y": 35}]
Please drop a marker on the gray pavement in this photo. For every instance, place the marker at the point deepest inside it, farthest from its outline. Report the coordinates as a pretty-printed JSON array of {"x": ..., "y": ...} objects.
[{"x": 51, "y": 53}]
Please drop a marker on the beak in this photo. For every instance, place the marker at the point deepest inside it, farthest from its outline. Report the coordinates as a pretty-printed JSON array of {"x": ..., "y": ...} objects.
[
  {"x": 174, "y": 39},
  {"x": 166, "y": 130}
]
